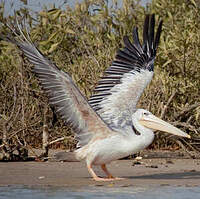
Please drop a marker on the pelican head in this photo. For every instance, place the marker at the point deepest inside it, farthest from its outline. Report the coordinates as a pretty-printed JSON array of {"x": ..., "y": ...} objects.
[{"x": 150, "y": 121}]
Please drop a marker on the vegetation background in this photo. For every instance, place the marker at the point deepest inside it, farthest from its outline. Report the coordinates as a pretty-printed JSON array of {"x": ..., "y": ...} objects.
[{"x": 83, "y": 41}]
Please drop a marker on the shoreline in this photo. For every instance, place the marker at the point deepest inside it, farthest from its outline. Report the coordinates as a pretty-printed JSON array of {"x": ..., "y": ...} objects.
[{"x": 149, "y": 172}]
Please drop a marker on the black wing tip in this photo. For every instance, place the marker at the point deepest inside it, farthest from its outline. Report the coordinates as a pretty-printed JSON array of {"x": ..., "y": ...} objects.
[
  {"x": 158, "y": 33},
  {"x": 146, "y": 29},
  {"x": 150, "y": 39},
  {"x": 134, "y": 52},
  {"x": 141, "y": 55},
  {"x": 150, "y": 42}
]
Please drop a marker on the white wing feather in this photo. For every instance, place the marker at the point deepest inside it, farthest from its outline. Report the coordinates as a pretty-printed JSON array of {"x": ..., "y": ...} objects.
[{"x": 124, "y": 81}]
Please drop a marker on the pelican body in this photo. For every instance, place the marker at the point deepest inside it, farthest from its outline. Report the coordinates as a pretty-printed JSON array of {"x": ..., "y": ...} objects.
[
  {"x": 108, "y": 126},
  {"x": 119, "y": 145}
]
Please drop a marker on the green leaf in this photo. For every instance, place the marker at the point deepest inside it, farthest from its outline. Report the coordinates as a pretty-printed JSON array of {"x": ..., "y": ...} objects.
[
  {"x": 70, "y": 31},
  {"x": 194, "y": 3},
  {"x": 53, "y": 35},
  {"x": 53, "y": 47}
]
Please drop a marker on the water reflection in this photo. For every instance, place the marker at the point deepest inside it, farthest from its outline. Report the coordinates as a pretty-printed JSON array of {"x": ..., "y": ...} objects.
[{"x": 160, "y": 192}]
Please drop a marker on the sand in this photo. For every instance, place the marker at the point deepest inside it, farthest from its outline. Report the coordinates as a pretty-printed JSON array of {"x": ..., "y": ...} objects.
[{"x": 151, "y": 172}]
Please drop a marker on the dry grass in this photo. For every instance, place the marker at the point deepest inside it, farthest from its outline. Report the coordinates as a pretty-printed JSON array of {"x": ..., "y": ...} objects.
[{"x": 83, "y": 42}]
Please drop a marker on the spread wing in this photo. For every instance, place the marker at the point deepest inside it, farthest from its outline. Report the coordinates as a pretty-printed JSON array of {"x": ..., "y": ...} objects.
[
  {"x": 124, "y": 81},
  {"x": 68, "y": 101}
]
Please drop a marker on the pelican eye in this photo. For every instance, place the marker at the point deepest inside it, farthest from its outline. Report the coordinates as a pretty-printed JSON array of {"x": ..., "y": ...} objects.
[{"x": 146, "y": 114}]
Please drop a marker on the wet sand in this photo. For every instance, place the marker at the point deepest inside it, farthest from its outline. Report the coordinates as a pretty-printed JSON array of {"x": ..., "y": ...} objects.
[{"x": 152, "y": 172}]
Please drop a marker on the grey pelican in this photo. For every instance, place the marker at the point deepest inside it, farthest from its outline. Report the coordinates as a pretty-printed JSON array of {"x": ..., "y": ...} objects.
[{"x": 108, "y": 126}]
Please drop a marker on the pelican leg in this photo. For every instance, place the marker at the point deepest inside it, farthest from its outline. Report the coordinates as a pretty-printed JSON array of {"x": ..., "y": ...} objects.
[
  {"x": 104, "y": 168},
  {"x": 110, "y": 176},
  {"x": 95, "y": 177}
]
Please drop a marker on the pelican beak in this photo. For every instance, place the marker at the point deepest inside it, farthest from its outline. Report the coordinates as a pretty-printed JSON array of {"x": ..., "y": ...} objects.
[{"x": 155, "y": 123}]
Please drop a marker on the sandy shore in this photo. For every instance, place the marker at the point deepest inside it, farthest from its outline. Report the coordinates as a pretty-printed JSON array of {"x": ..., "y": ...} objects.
[{"x": 152, "y": 172}]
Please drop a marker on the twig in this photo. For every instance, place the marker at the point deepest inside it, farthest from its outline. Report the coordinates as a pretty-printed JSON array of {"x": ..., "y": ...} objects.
[
  {"x": 14, "y": 118},
  {"x": 166, "y": 106},
  {"x": 13, "y": 109},
  {"x": 57, "y": 140},
  {"x": 6, "y": 127},
  {"x": 45, "y": 134},
  {"x": 191, "y": 147},
  {"x": 14, "y": 104},
  {"x": 184, "y": 148},
  {"x": 22, "y": 98},
  {"x": 187, "y": 109},
  {"x": 188, "y": 126},
  {"x": 22, "y": 129}
]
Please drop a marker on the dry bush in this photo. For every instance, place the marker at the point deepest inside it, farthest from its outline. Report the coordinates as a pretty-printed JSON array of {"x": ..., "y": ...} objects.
[
  {"x": 83, "y": 42},
  {"x": 179, "y": 66}
]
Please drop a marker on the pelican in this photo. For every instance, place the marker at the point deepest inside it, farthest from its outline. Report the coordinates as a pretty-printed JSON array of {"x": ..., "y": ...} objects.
[{"x": 108, "y": 126}]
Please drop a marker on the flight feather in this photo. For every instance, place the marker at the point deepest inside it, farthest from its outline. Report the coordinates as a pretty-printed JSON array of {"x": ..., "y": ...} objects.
[
  {"x": 63, "y": 94},
  {"x": 119, "y": 90}
]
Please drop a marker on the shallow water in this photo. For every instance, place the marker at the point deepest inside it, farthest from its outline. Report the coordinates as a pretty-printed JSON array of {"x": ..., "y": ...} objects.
[{"x": 160, "y": 192}]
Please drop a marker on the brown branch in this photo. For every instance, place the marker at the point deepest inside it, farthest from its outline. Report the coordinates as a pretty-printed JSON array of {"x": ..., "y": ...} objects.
[
  {"x": 45, "y": 135},
  {"x": 187, "y": 126},
  {"x": 185, "y": 149},
  {"x": 166, "y": 106},
  {"x": 22, "y": 129},
  {"x": 14, "y": 118},
  {"x": 183, "y": 124},
  {"x": 6, "y": 127},
  {"x": 14, "y": 104},
  {"x": 13, "y": 109},
  {"x": 187, "y": 109},
  {"x": 57, "y": 140}
]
